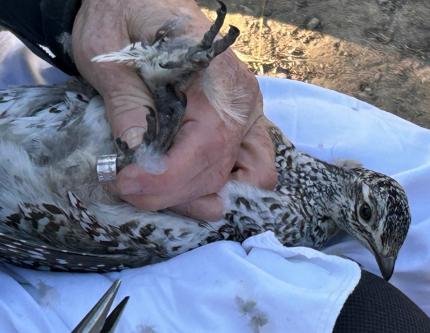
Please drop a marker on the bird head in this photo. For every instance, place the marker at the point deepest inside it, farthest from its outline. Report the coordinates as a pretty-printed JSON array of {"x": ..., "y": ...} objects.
[{"x": 380, "y": 217}]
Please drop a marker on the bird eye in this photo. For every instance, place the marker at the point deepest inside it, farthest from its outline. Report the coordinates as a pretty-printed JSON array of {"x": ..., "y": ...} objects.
[{"x": 365, "y": 212}]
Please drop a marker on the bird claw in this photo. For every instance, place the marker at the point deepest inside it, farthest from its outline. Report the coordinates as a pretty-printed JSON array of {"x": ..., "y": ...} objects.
[
  {"x": 170, "y": 101},
  {"x": 205, "y": 44},
  {"x": 200, "y": 56},
  {"x": 209, "y": 36},
  {"x": 125, "y": 156}
]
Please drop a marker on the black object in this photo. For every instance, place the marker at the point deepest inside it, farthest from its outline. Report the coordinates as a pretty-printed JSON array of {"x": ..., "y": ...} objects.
[
  {"x": 376, "y": 306},
  {"x": 42, "y": 23}
]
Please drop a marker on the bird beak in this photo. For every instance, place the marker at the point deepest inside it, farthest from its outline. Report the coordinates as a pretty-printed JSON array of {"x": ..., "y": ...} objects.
[{"x": 386, "y": 266}]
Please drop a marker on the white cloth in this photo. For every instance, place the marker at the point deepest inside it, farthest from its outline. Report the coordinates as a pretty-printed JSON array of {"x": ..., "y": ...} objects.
[
  {"x": 333, "y": 126},
  {"x": 19, "y": 66},
  {"x": 228, "y": 287},
  {"x": 222, "y": 287}
]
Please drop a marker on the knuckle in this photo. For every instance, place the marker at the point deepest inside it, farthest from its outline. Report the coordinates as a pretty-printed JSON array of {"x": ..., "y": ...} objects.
[
  {"x": 270, "y": 180},
  {"x": 188, "y": 210},
  {"x": 151, "y": 204},
  {"x": 219, "y": 177}
]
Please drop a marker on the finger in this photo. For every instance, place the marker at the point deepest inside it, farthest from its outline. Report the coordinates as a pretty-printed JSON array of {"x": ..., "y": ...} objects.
[
  {"x": 207, "y": 208},
  {"x": 256, "y": 160},
  {"x": 127, "y": 102},
  {"x": 182, "y": 16},
  {"x": 198, "y": 163},
  {"x": 200, "y": 169},
  {"x": 255, "y": 165},
  {"x": 125, "y": 95},
  {"x": 171, "y": 198}
]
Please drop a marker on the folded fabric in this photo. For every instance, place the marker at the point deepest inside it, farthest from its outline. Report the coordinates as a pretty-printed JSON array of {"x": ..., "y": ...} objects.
[
  {"x": 333, "y": 126},
  {"x": 222, "y": 287}
]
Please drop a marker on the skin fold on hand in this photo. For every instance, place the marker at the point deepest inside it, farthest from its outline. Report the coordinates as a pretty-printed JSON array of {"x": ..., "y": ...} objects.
[{"x": 208, "y": 150}]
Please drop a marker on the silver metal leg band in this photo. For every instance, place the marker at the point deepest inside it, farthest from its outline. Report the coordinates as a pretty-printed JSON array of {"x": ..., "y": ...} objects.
[{"x": 106, "y": 168}]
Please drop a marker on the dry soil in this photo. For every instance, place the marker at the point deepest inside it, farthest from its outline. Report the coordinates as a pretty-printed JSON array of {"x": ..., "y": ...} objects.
[{"x": 375, "y": 50}]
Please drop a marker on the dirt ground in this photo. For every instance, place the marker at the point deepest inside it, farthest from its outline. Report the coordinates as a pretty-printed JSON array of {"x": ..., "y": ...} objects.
[{"x": 375, "y": 50}]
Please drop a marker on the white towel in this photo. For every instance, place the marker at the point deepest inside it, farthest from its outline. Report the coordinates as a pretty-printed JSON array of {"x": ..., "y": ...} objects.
[
  {"x": 221, "y": 287},
  {"x": 333, "y": 126}
]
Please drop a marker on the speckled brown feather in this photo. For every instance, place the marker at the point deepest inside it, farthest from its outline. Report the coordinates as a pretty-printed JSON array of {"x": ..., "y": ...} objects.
[{"x": 54, "y": 214}]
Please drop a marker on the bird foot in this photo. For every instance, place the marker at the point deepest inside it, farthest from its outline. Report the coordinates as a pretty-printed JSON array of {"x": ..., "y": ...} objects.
[
  {"x": 199, "y": 56},
  {"x": 170, "y": 100},
  {"x": 166, "y": 66}
]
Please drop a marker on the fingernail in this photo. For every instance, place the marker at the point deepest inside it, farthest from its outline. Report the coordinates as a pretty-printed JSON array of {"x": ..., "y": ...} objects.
[
  {"x": 130, "y": 187},
  {"x": 133, "y": 136}
]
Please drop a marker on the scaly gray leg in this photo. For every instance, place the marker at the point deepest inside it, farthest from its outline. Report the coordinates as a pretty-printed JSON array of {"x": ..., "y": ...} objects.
[
  {"x": 170, "y": 101},
  {"x": 171, "y": 104},
  {"x": 200, "y": 56}
]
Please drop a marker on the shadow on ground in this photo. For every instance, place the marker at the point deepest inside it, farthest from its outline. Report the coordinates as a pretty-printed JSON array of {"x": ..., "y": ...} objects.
[{"x": 375, "y": 50}]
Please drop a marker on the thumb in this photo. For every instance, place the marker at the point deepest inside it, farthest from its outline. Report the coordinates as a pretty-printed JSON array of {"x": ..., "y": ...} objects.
[
  {"x": 127, "y": 101},
  {"x": 125, "y": 95}
]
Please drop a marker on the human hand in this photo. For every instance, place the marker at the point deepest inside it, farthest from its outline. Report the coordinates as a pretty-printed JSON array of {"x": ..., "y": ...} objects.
[{"x": 206, "y": 149}]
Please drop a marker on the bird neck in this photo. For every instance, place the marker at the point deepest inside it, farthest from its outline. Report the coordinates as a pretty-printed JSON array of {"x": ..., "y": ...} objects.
[
  {"x": 325, "y": 191},
  {"x": 340, "y": 198}
]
